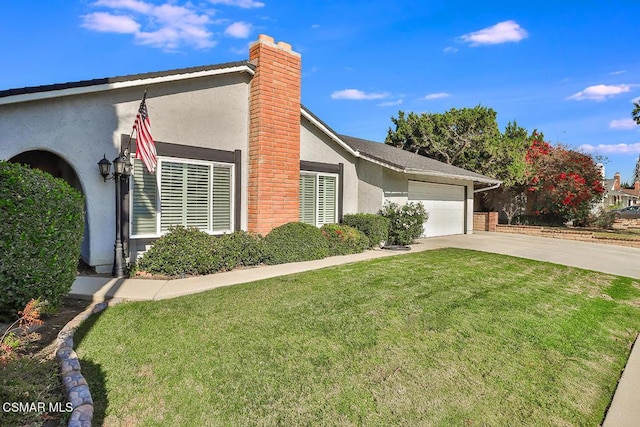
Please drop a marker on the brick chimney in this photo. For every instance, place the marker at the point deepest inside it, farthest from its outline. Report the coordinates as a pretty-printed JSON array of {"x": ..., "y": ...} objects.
[
  {"x": 636, "y": 186},
  {"x": 616, "y": 181},
  {"x": 274, "y": 135}
]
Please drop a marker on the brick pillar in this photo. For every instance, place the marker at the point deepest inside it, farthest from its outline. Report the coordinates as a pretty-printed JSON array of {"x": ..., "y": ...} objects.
[{"x": 274, "y": 135}]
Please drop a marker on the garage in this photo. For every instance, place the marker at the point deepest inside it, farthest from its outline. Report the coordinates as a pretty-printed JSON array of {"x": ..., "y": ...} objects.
[{"x": 445, "y": 205}]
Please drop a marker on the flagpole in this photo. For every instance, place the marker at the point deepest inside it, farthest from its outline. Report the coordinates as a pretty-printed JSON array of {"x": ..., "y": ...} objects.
[{"x": 127, "y": 150}]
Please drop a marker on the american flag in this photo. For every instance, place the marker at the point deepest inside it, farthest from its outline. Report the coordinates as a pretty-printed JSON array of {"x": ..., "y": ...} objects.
[{"x": 145, "y": 147}]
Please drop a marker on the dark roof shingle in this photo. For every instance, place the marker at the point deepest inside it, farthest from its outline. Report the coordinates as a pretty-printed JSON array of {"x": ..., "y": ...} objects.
[
  {"x": 410, "y": 162},
  {"x": 117, "y": 79}
]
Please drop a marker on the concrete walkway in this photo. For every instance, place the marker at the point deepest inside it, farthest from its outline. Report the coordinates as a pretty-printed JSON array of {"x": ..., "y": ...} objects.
[{"x": 618, "y": 260}]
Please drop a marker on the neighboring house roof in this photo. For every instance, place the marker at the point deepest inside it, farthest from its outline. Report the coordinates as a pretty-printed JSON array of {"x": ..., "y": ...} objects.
[
  {"x": 631, "y": 192},
  {"x": 408, "y": 162},
  {"x": 608, "y": 184},
  {"x": 95, "y": 85}
]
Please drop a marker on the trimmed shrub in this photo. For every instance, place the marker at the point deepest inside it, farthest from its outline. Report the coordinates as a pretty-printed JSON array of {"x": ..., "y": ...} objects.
[
  {"x": 405, "y": 222},
  {"x": 42, "y": 222},
  {"x": 181, "y": 251},
  {"x": 375, "y": 227},
  {"x": 546, "y": 220},
  {"x": 344, "y": 240},
  {"x": 295, "y": 241},
  {"x": 603, "y": 219},
  {"x": 239, "y": 249}
]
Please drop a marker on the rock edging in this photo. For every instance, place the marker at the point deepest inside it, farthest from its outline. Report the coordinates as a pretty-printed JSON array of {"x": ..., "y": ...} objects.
[{"x": 75, "y": 385}]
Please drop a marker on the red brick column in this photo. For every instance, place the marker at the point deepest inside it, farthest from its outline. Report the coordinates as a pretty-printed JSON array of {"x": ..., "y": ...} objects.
[
  {"x": 485, "y": 221},
  {"x": 274, "y": 135}
]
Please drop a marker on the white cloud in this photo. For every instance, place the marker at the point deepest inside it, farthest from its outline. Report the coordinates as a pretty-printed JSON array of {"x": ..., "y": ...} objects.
[
  {"x": 244, "y": 4},
  {"x": 502, "y": 32},
  {"x": 616, "y": 73},
  {"x": 239, "y": 30},
  {"x": 622, "y": 124},
  {"x": 600, "y": 92},
  {"x": 636, "y": 99},
  {"x": 108, "y": 23},
  {"x": 357, "y": 94},
  {"x": 134, "y": 5},
  {"x": 167, "y": 26},
  {"x": 390, "y": 103},
  {"x": 437, "y": 95},
  {"x": 611, "y": 148},
  {"x": 450, "y": 49}
]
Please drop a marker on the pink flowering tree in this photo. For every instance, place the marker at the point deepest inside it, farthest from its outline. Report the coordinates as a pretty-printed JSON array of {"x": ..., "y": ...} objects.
[{"x": 564, "y": 183}]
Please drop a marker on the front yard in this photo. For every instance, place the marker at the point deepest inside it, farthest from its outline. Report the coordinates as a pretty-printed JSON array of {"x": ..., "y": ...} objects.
[{"x": 445, "y": 337}]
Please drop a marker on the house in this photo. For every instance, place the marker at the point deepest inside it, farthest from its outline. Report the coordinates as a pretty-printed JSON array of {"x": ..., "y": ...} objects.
[
  {"x": 236, "y": 151},
  {"x": 615, "y": 196}
]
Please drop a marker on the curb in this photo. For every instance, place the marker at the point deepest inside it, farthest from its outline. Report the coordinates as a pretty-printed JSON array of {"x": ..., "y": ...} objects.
[{"x": 75, "y": 385}]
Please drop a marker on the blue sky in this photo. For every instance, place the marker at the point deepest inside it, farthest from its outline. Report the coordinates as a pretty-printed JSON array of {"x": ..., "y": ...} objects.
[{"x": 568, "y": 68}]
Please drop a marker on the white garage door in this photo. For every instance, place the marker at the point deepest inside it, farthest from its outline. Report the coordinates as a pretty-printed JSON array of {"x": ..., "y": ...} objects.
[{"x": 444, "y": 204}]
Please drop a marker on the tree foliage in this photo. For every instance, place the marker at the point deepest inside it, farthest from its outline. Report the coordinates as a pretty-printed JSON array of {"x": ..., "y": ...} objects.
[
  {"x": 636, "y": 112},
  {"x": 564, "y": 183},
  {"x": 466, "y": 137}
]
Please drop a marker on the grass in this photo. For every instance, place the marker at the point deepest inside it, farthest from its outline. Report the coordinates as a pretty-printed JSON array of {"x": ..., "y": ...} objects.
[
  {"x": 29, "y": 380},
  {"x": 446, "y": 337}
]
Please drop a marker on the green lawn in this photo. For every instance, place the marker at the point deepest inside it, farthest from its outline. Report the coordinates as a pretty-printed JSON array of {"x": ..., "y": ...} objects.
[{"x": 446, "y": 337}]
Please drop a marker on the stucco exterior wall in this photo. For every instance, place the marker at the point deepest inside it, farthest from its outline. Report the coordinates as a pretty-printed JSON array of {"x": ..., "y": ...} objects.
[
  {"x": 370, "y": 187},
  {"x": 316, "y": 146},
  {"x": 205, "y": 112}
]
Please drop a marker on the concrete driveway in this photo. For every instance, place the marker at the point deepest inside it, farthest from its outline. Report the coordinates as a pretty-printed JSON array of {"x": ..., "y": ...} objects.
[{"x": 619, "y": 260}]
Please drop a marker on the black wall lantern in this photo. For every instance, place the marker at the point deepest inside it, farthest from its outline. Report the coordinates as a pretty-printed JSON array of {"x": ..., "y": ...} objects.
[{"x": 121, "y": 172}]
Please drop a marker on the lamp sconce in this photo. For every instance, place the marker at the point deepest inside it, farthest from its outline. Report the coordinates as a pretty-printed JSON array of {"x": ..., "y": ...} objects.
[{"x": 121, "y": 167}]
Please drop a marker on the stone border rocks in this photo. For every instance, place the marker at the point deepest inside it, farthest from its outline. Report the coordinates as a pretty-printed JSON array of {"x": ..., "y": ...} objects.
[{"x": 75, "y": 385}]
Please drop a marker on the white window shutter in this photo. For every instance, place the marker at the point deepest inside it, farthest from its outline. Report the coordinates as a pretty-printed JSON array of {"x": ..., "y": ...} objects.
[
  {"x": 144, "y": 201},
  {"x": 326, "y": 199},
  {"x": 172, "y": 195},
  {"x": 221, "y": 214},
  {"x": 308, "y": 199},
  {"x": 197, "y": 205}
]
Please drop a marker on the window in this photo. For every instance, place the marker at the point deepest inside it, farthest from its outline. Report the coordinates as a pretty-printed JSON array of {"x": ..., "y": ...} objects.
[
  {"x": 182, "y": 192},
  {"x": 318, "y": 198}
]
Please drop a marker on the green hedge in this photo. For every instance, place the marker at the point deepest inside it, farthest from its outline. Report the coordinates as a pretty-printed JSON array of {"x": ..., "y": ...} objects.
[
  {"x": 182, "y": 251},
  {"x": 344, "y": 240},
  {"x": 239, "y": 249},
  {"x": 295, "y": 241},
  {"x": 375, "y": 227},
  {"x": 41, "y": 228},
  {"x": 189, "y": 251}
]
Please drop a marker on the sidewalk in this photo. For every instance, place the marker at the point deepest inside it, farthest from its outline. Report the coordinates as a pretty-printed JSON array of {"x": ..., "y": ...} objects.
[
  {"x": 105, "y": 288},
  {"x": 625, "y": 406}
]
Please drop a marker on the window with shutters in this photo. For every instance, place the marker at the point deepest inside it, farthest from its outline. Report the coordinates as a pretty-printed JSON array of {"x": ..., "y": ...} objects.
[
  {"x": 182, "y": 192},
  {"x": 318, "y": 198}
]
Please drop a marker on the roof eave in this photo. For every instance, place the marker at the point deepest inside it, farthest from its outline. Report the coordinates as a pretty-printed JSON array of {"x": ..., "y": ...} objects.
[
  {"x": 484, "y": 180},
  {"x": 57, "y": 93}
]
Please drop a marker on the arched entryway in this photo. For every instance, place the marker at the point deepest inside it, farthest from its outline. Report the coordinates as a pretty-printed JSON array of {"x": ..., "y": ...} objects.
[{"x": 58, "y": 167}]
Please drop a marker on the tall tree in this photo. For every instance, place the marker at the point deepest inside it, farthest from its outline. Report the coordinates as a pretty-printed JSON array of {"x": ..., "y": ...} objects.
[
  {"x": 467, "y": 137},
  {"x": 636, "y": 112},
  {"x": 636, "y": 172},
  {"x": 449, "y": 137}
]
